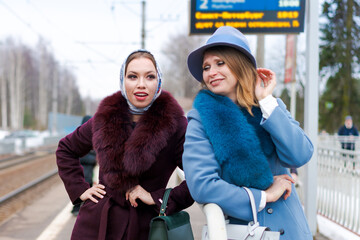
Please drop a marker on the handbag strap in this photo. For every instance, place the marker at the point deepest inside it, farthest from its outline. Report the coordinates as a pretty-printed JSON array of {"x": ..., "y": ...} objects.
[
  {"x": 164, "y": 201},
  {"x": 252, "y": 202}
]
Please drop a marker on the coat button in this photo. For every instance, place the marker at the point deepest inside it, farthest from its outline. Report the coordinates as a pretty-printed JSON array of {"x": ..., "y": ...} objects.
[
  {"x": 282, "y": 231},
  {"x": 269, "y": 210}
]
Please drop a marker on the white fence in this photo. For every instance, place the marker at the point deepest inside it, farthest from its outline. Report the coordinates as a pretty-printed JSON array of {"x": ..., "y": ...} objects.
[
  {"x": 21, "y": 145},
  {"x": 338, "y": 190}
]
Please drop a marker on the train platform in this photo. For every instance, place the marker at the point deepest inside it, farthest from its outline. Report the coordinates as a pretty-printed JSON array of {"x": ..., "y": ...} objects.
[{"x": 48, "y": 217}]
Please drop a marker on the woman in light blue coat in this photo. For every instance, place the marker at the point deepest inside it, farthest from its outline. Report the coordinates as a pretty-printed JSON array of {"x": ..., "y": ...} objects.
[{"x": 240, "y": 135}]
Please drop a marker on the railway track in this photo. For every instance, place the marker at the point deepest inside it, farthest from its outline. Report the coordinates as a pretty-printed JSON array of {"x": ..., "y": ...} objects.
[
  {"x": 16, "y": 160},
  {"x": 25, "y": 179}
]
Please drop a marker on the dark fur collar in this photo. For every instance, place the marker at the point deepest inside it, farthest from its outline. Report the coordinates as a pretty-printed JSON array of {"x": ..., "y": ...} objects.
[{"x": 124, "y": 153}]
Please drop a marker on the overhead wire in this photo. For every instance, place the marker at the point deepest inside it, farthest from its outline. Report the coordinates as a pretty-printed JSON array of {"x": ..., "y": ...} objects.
[
  {"x": 52, "y": 24},
  {"x": 166, "y": 21},
  {"x": 82, "y": 43},
  {"x": 123, "y": 3},
  {"x": 86, "y": 46},
  {"x": 28, "y": 25}
]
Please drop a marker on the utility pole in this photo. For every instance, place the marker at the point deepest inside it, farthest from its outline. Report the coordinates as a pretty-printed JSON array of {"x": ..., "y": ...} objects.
[
  {"x": 143, "y": 36},
  {"x": 143, "y": 19},
  {"x": 311, "y": 107},
  {"x": 260, "y": 50}
]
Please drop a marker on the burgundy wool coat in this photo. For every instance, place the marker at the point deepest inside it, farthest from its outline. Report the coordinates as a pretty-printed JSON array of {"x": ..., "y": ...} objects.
[{"x": 146, "y": 155}]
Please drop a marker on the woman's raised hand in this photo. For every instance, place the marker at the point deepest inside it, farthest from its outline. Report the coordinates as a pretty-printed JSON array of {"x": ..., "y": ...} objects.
[
  {"x": 281, "y": 184},
  {"x": 265, "y": 83},
  {"x": 139, "y": 192},
  {"x": 97, "y": 190}
]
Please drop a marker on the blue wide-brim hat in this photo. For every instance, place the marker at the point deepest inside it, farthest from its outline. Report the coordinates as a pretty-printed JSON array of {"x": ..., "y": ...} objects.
[{"x": 223, "y": 36}]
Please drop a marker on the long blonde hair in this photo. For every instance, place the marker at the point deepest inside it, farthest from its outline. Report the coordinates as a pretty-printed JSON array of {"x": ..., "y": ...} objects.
[{"x": 244, "y": 72}]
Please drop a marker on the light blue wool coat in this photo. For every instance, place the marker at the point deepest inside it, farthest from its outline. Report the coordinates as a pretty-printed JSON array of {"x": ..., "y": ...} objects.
[{"x": 207, "y": 185}]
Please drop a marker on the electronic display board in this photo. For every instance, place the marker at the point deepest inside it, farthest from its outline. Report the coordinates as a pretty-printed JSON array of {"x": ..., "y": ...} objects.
[{"x": 249, "y": 16}]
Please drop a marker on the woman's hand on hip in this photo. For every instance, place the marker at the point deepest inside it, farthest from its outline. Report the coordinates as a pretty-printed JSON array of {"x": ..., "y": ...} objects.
[
  {"x": 139, "y": 192},
  {"x": 97, "y": 190},
  {"x": 281, "y": 185},
  {"x": 265, "y": 83}
]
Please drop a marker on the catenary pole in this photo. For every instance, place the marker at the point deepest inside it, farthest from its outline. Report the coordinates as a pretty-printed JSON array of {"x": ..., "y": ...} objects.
[
  {"x": 311, "y": 107},
  {"x": 143, "y": 20}
]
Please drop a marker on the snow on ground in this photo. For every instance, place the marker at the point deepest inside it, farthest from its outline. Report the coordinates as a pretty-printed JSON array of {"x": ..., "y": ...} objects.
[
  {"x": 19, "y": 142},
  {"x": 3, "y": 134}
]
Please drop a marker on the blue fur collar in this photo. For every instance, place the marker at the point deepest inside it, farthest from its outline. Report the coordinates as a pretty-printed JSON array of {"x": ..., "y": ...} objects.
[{"x": 240, "y": 144}]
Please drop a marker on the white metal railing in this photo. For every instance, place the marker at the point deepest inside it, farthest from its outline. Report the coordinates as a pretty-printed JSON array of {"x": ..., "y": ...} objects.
[
  {"x": 338, "y": 187},
  {"x": 335, "y": 141},
  {"x": 215, "y": 221},
  {"x": 338, "y": 180},
  {"x": 213, "y": 213}
]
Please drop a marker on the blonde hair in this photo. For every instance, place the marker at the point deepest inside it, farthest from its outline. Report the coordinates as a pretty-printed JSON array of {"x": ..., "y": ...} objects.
[{"x": 244, "y": 71}]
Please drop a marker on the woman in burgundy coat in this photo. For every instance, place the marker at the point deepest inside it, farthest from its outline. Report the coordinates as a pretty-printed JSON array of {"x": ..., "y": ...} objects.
[{"x": 138, "y": 135}]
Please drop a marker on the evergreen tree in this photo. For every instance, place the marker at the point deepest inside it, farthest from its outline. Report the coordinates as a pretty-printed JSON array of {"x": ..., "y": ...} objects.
[
  {"x": 339, "y": 62},
  {"x": 299, "y": 114}
]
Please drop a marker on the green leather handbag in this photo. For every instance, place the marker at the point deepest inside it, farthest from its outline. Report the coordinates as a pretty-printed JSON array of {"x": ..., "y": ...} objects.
[{"x": 173, "y": 227}]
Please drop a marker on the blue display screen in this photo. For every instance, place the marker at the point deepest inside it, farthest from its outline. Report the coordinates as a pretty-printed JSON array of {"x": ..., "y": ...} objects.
[
  {"x": 247, "y": 5},
  {"x": 249, "y": 16}
]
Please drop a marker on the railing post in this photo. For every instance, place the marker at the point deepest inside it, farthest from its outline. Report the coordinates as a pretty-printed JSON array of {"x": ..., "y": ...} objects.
[
  {"x": 215, "y": 221},
  {"x": 214, "y": 215}
]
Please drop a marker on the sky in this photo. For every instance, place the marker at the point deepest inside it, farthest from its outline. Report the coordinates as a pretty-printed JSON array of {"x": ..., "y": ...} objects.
[{"x": 93, "y": 37}]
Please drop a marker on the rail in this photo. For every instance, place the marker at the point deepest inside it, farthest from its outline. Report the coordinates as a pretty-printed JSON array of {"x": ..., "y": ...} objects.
[
  {"x": 17, "y": 160},
  {"x": 27, "y": 186}
]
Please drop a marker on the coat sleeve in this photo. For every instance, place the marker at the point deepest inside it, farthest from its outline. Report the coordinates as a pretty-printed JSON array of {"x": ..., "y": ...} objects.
[
  {"x": 180, "y": 197},
  {"x": 203, "y": 172},
  {"x": 70, "y": 149},
  {"x": 293, "y": 147}
]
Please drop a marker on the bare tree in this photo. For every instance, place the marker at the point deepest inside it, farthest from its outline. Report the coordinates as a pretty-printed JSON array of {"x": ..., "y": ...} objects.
[
  {"x": 45, "y": 60},
  {"x": 15, "y": 81},
  {"x": 68, "y": 84},
  {"x": 20, "y": 85},
  {"x": 28, "y": 86},
  {"x": 4, "y": 124},
  {"x": 178, "y": 79},
  {"x": 31, "y": 88},
  {"x": 54, "y": 104},
  {"x": 3, "y": 92},
  {"x": 10, "y": 78}
]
